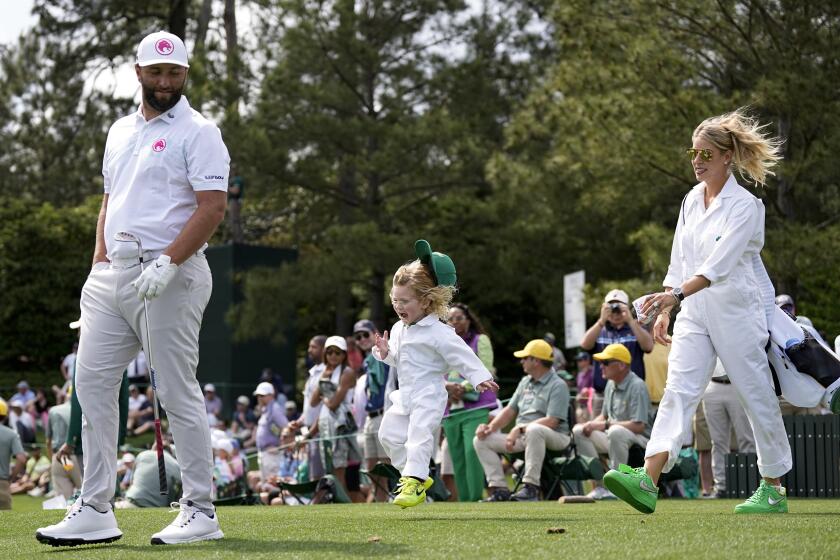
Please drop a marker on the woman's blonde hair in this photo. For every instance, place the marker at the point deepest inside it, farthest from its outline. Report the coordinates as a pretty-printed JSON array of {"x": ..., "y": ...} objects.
[
  {"x": 434, "y": 299},
  {"x": 754, "y": 153}
]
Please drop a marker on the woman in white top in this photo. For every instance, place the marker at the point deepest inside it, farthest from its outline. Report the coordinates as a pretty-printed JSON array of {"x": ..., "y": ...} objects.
[{"x": 726, "y": 297}]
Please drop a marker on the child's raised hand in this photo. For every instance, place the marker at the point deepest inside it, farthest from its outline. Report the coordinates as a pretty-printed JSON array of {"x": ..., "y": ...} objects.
[
  {"x": 488, "y": 385},
  {"x": 381, "y": 343}
]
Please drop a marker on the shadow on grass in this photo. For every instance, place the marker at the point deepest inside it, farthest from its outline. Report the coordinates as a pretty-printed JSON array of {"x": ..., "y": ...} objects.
[{"x": 245, "y": 546}]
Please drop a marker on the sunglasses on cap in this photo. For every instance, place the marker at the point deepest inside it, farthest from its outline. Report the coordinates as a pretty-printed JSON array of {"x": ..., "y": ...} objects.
[
  {"x": 705, "y": 154},
  {"x": 361, "y": 335}
]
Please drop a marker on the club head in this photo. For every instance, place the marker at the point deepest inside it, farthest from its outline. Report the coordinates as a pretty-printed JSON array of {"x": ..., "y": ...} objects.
[{"x": 126, "y": 237}]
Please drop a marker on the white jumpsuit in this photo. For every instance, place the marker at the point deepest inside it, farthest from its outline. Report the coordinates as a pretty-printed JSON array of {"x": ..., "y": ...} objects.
[
  {"x": 422, "y": 353},
  {"x": 726, "y": 320}
]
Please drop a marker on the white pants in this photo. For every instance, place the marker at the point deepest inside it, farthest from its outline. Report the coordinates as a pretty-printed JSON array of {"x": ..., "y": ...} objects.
[
  {"x": 615, "y": 443},
  {"x": 112, "y": 331},
  {"x": 535, "y": 439},
  {"x": 724, "y": 412},
  {"x": 408, "y": 432},
  {"x": 726, "y": 325}
]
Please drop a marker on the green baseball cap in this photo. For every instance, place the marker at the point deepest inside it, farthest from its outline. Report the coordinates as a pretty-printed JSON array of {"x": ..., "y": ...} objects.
[{"x": 442, "y": 267}]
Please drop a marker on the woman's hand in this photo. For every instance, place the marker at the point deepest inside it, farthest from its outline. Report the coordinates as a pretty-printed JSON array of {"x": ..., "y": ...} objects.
[
  {"x": 658, "y": 303},
  {"x": 455, "y": 390},
  {"x": 488, "y": 385},
  {"x": 660, "y": 328},
  {"x": 381, "y": 343}
]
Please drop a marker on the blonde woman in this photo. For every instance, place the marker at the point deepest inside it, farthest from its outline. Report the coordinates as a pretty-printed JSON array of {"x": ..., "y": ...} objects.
[
  {"x": 725, "y": 297},
  {"x": 424, "y": 350}
]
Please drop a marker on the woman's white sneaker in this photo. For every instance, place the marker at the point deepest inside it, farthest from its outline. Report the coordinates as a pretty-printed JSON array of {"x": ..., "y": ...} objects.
[
  {"x": 83, "y": 524},
  {"x": 191, "y": 525}
]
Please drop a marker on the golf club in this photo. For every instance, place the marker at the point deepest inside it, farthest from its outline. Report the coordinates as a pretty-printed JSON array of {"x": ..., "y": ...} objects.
[{"x": 126, "y": 237}]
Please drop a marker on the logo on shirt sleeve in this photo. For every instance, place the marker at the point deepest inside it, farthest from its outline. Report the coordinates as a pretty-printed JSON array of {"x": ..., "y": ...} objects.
[
  {"x": 164, "y": 47},
  {"x": 159, "y": 145}
]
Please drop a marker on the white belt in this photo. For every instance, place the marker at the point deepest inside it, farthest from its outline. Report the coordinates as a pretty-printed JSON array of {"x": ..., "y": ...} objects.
[{"x": 131, "y": 262}]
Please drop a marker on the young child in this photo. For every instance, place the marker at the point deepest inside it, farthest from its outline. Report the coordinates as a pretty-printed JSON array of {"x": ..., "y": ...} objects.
[{"x": 424, "y": 350}]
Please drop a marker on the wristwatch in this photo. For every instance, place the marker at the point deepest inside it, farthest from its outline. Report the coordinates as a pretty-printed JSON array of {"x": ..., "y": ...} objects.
[{"x": 678, "y": 293}]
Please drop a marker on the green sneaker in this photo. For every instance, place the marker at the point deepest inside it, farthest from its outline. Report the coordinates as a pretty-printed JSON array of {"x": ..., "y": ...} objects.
[
  {"x": 765, "y": 500},
  {"x": 411, "y": 492},
  {"x": 633, "y": 486}
]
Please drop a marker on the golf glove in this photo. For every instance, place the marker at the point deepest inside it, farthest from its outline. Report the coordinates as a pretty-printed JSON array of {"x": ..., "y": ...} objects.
[{"x": 155, "y": 277}]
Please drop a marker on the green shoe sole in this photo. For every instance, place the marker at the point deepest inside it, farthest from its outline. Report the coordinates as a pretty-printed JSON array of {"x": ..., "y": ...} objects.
[
  {"x": 618, "y": 484},
  {"x": 748, "y": 510}
]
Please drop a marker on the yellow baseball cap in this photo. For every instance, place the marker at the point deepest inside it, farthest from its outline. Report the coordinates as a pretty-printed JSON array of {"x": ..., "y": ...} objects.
[
  {"x": 537, "y": 348},
  {"x": 614, "y": 352},
  {"x": 4, "y": 408}
]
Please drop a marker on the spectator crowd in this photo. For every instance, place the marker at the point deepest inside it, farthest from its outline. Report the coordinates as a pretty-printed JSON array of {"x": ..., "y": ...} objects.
[{"x": 323, "y": 444}]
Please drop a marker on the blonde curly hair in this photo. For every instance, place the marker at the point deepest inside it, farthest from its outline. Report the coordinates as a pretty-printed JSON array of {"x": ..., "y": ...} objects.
[
  {"x": 754, "y": 153},
  {"x": 433, "y": 298}
]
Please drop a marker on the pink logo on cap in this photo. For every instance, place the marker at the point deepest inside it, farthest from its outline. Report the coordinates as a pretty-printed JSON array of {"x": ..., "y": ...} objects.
[
  {"x": 159, "y": 145},
  {"x": 164, "y": 47}
]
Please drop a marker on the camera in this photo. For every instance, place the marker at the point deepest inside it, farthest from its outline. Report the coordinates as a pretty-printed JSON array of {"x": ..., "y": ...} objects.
[{"x": 615, "y": 307}]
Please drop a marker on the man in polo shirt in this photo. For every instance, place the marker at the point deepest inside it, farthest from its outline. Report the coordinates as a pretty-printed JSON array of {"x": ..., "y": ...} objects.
[
  {"x": 10, "y": 448},
  {"x": 625, "y": 418},
  {"x": 617, "y": 325},
  {"x": 375, "y": 382},
  {"x": 165, "y": 174},
  {"x": 540, "y": 405}
]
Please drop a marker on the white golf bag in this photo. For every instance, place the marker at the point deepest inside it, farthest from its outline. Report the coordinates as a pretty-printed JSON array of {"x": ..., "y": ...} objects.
[{"x": 807, "y": 370}]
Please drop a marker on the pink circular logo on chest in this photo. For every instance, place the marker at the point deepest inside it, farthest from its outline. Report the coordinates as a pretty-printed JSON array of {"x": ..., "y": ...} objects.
[
  {"x": 164, "y": 46},
  {"x": 159, "y": 145}
]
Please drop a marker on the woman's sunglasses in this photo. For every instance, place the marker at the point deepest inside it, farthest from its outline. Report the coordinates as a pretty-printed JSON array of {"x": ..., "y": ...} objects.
[
  {"x": 334, "y": 352},
  {"x": 705, "y": 154}
]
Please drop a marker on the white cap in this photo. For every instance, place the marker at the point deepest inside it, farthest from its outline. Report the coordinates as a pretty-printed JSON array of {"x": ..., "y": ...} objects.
[
  {"x": 617, "y": 295},
  {"x": 76, "y": 324},
  {"x": 210, "y": 387},
  {"x": 337, "y": 341},
  {"x": 224, "y": 444},
  {"x": 264, "y": 388},
  {"x": 128, "y": 458},
  {"x": 162, "y": 48}
]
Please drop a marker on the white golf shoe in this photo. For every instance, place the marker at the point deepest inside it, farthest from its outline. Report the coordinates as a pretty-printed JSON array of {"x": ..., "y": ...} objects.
[
  {"x": 191, "y": 525},
  {"x": 82, "y": 525}
]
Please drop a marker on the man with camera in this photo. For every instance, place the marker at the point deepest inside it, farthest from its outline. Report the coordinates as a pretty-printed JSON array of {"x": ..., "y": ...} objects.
[{"x": 616, "y": 325}]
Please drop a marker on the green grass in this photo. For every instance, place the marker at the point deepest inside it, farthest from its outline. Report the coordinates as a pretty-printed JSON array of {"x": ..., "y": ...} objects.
[{"x": 681, "y": 529}]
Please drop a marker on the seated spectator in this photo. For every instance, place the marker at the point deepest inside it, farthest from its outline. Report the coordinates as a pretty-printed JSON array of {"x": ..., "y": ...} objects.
[
  {"x": 135, "y": 398},
  {"x": 560, "y": 363},
  {"x": 625, "y": 418},
  {"x": 540, "y": 406},
  {"x": 66, "y": 474},
  {"x": 39, "y": 408},
  {"x": 244, "y": 421},
  {"x": 145, "y": 482},
  {"x": 142, "y": 419},
  {"x": 125, "y": 471},
  {"x": 23, "y": 396},
  {"x": 23, "y": 422},
  {"x": 35, "y": 480},
  {"x": 212, "y": 402},
  {"x": 224, "y": 471},
  {"x": 10, "y": 448}
]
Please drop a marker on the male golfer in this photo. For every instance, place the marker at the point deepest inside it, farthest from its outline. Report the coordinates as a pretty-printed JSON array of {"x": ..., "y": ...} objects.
[{"x": 165, "y": 170}]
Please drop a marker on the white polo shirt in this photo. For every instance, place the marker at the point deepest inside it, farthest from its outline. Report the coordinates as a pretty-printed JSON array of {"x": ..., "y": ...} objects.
[{"x": 152, "y": 170}]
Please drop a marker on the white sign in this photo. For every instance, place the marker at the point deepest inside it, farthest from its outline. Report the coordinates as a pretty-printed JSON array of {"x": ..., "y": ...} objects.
[{"x": 573, "y": 308}]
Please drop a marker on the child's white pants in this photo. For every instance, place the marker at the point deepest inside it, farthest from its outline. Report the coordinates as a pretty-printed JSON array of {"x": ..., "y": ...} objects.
[{"x": 408, "y": 429}]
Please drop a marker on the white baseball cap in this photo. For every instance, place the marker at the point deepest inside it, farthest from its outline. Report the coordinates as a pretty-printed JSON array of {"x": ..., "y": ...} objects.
[
  {"x": 224, "y": 444},
  {"x": 128, "y": 458},
  {"x": 162, "y": 48},
  {"x": 337, "y": 341},
  {"x": 617, "y": 295},
  {"x": 264, "y": 388},
  {"x": 209, "y": 388}
]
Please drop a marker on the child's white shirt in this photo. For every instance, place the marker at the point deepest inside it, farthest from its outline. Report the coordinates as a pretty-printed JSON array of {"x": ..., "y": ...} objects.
[{"x": 426, "y": 351}]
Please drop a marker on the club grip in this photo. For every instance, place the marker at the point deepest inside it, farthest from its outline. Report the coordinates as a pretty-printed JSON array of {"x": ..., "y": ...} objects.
[{"x": 164, "y": 490}]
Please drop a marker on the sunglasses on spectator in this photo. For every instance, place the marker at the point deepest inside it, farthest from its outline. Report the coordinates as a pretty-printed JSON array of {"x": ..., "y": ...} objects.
[
  {"x": 705, "y": 154},
  {"x": 334, "y": 352},
  {"x": 361, "y": 335}
]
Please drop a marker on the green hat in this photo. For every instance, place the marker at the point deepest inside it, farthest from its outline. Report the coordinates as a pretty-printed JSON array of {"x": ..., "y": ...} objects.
[{"x": 442, "y": 267}]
